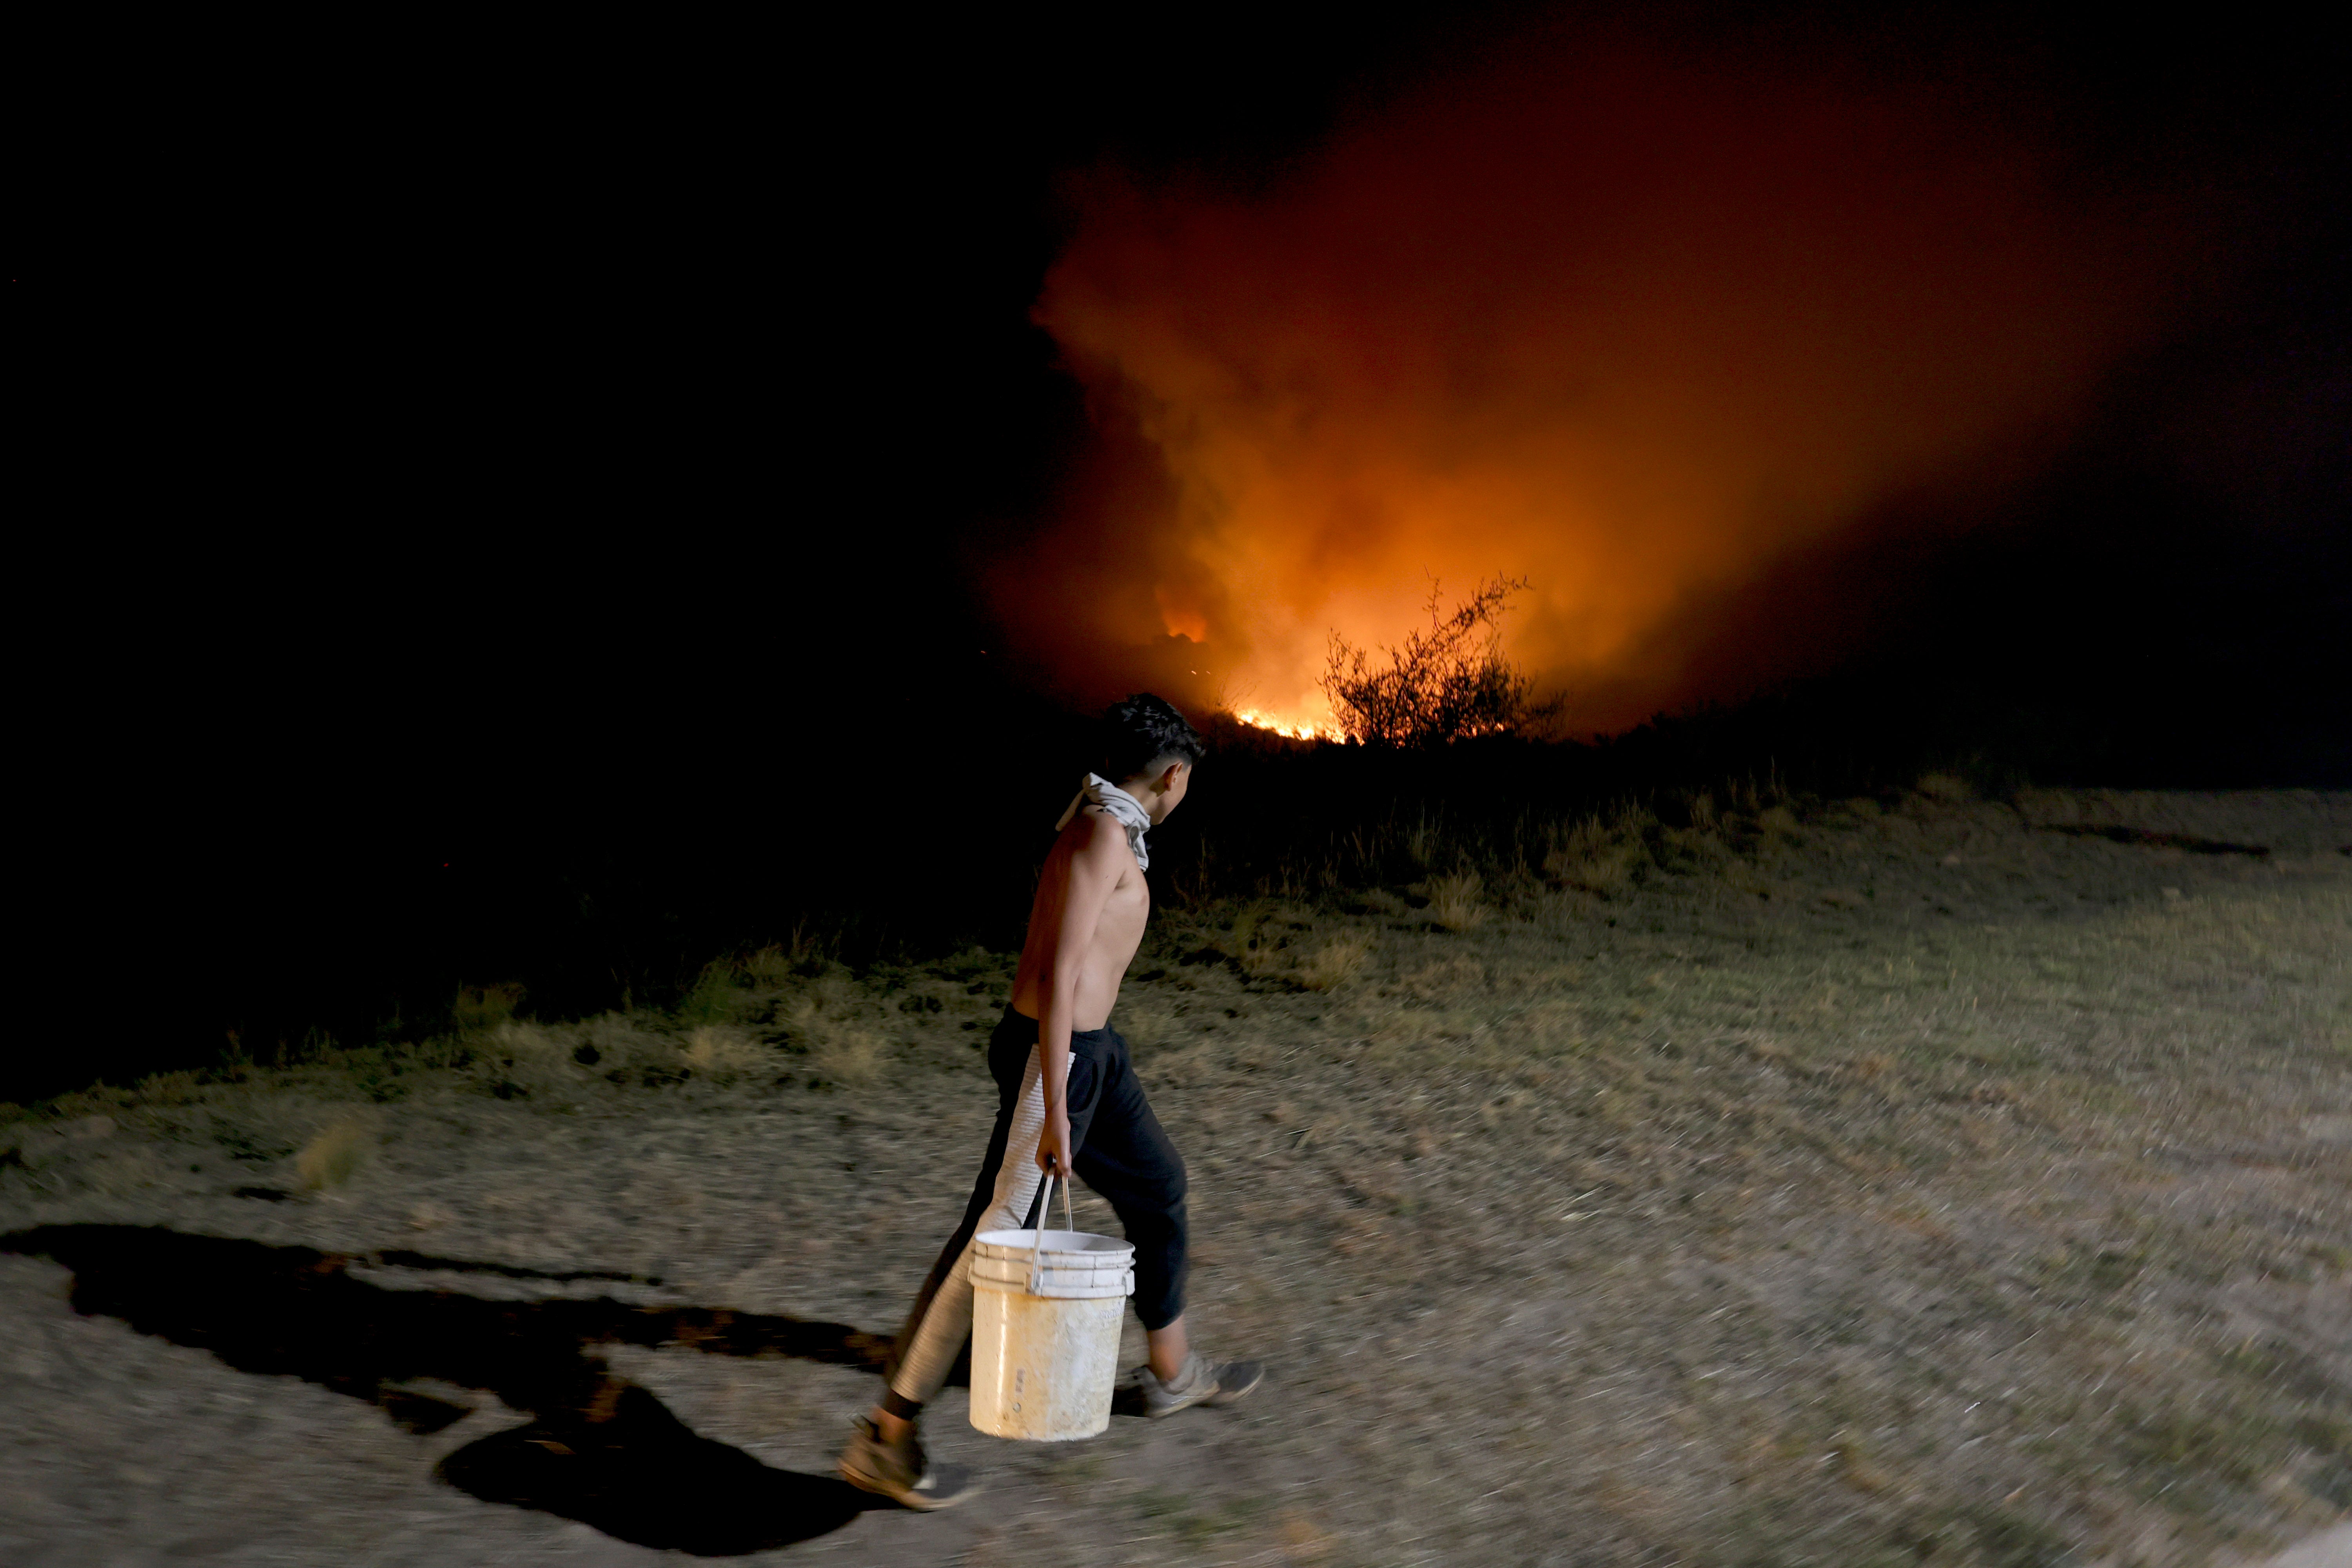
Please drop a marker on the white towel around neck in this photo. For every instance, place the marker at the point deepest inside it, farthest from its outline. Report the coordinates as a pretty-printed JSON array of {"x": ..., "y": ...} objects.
[{"x": 1096, "y": 790}]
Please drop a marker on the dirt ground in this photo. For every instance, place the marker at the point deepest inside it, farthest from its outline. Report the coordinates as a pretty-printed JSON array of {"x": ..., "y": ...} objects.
[{"x": 1937, "y": 1182}]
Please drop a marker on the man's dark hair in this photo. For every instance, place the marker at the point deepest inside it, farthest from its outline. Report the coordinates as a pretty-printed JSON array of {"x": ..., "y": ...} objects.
[{"x": 1146, "y": 732}]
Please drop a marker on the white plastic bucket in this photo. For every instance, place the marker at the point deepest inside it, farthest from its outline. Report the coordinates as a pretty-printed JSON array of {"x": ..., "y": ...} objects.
[{"x": 1047, "y": 1310}]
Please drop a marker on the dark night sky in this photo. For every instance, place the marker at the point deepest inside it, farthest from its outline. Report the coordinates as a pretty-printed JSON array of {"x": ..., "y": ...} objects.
[
  {"x": 603, "y": 380},
  {"x": 560, "y": 451}
]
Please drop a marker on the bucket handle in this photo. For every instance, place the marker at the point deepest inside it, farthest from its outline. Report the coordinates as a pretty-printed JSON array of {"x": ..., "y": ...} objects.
[{"x": 1038, "y": 1248}]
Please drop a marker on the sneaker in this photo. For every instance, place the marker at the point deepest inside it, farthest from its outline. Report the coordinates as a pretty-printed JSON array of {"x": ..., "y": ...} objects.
[
  {"x": 1201, "y": 1383},
  {"x": 902, "y": 1472}
]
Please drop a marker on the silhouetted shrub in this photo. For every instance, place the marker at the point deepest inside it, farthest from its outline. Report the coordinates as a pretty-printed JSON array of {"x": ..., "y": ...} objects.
[{"x": 1449, "y": 683}]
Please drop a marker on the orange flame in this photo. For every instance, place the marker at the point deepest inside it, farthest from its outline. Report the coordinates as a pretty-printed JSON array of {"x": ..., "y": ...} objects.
[{"x": 1296, "y": 729}]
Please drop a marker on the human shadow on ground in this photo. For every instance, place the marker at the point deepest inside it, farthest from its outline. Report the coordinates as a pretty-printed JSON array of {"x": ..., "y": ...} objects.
[{"x": 599, "y": 1450}]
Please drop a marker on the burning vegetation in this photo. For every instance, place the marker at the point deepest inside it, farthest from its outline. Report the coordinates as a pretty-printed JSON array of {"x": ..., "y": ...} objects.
[
  {"x": 1449, "y": 683},
  {"x": 1637, "y": 325}
]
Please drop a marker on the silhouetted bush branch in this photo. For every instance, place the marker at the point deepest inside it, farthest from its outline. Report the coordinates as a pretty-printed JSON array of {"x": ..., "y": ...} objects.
[{"x": 1449, "y": 683}]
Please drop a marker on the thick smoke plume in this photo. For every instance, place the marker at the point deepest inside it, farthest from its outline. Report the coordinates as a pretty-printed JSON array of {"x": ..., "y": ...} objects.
[{"x": 1628, "y": 323}]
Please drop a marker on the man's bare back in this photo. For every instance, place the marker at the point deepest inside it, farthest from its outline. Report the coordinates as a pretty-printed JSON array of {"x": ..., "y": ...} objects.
[
  {"x": 1117, "y": 928},
  {"x": 1083, "y": 928}
]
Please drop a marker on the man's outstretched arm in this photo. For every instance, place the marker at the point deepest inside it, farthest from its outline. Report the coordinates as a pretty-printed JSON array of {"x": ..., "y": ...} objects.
[{"x": 1099, "y": 854}]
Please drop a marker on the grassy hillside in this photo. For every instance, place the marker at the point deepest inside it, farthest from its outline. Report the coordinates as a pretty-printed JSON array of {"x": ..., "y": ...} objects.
[{"x": 1892, "y": 1180}]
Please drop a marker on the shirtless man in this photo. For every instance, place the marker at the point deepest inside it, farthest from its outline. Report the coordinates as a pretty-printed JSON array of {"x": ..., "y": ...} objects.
[{"x": 1067, "y": 1092}]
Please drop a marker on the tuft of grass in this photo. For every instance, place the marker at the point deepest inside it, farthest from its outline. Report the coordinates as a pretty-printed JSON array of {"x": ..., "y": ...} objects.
[
  {"x": 721, "y": 1054},
  {"x": 1948, "y": 789},
  {"x": 849, "y": 1055},
  {"x": 1455, "y": 902},
  {"x": 716, "y": 996},
  {"x": 334, "y": 1153},
  {"x": 1254, "y": 943},
  {"x": 776, "y": 967},
  {"x": 1689, "y": 849},
  {"x": 171, "y": 1088},
  {"x": 616, "y": 1044},
  {"x": 481, "y": 1008},
  {"x": 520, "y": 1058},
  {"x": 1591, "y": 860},
  {"x": 1335, "y": 962},
  {"x": 1741, "y": 875},
  {"x": 830, "y": 1022},
  {"x": 1444, "y": 978}
]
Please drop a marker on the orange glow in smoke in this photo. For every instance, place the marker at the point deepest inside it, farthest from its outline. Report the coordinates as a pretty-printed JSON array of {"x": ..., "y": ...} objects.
[
  {"x": 1180, "y": 622},
  {"x": 1628, "y": 326}
]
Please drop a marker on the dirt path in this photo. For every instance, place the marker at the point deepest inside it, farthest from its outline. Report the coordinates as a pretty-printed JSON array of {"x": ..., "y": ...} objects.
[{"x": 1924, "y": 1184}]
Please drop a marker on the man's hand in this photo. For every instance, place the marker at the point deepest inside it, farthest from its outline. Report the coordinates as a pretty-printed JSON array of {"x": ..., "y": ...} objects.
[{"x": 1055, "y": 1155}]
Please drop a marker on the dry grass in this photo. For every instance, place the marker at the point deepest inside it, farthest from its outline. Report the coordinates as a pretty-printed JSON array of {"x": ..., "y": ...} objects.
[
  {"x": 1257, "y": 941},
  {"x": 1948, "y": 789},
  {"x": 829, "y": 1024},
  {"x": 1995, "y": 1211},
  {"x": 1455, "y": 901},
  {"x": 334, "y": 1153},
  {"x": 721, "y": 1054},
  {"x": 775, "y": 968},
  {"x": 172, "y": 1088},
  {"x": 1335, "y": 962},
  {"x": 1592, "y": 858},
  {"x": 850, "y": 1056},
  {"x": 481, "y": 1007},
  {"x": 516, "y": 1057}
]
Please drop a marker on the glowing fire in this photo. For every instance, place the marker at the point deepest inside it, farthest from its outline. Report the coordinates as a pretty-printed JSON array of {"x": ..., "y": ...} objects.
[
  {"x": 1632, "y": 327},
  {"x": 1296, "y": 729}
]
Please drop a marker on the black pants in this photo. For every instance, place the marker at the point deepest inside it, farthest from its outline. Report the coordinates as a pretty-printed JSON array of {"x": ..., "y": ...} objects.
[{"x": 1121, "y": 1151}]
